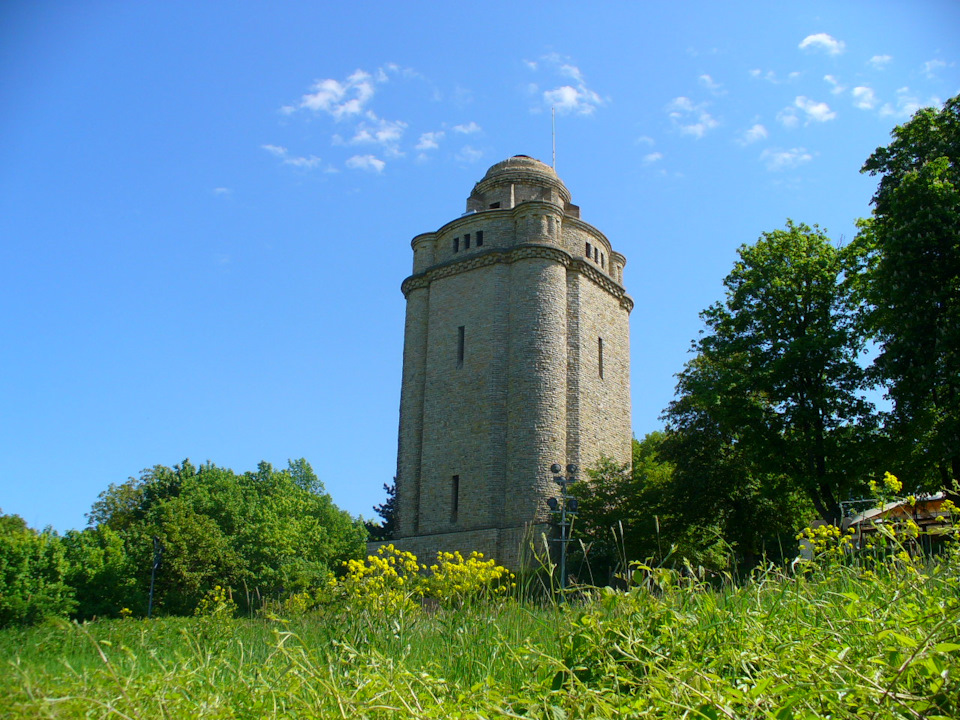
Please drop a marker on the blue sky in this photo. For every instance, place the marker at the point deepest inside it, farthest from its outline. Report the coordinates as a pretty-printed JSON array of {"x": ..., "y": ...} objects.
[{"x": 206, "y": 208}]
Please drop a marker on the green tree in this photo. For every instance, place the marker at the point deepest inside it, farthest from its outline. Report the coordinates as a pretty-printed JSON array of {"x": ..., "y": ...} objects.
[
  {"x": 775, "y": 392},
  {"x": 101, "y": 573},
  {"x": 33, "y": 570},
  {"x": 263, "y": 533},
  {"x": 620, "y": 511},
  {"x": 912, "y": 283},
  {"x": 387, "y": 510}
]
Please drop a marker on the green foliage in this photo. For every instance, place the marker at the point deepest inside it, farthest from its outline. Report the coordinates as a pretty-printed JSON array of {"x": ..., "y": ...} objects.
[
  {"x": 265, "y": 533},
  {"x": 911, "y": 282},
  {"x": 772, "y": 405},
  {"x": 102, "y": 574},
  {"x": 621, "y": 512},
  {"x": 387, "y": 510},
  {"x": 33, "y": 574},
  {"x": 834, "y": 640}
]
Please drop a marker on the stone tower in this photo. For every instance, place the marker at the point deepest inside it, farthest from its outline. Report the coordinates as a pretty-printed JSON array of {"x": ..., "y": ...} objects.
[{"x": 516, "y": 356}]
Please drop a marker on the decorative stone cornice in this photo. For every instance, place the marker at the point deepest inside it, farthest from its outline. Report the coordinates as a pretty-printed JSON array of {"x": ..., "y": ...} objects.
[{"x": 495, "y": 256}]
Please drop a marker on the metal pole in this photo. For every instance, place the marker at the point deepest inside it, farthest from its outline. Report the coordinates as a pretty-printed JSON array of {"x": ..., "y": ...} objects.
[{"x": 157, "y": 551}]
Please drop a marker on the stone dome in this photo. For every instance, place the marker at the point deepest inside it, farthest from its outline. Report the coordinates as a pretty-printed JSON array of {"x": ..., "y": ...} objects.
[
  {"x": 521, "y": 163},
  {"x": 516, "y": 180}
]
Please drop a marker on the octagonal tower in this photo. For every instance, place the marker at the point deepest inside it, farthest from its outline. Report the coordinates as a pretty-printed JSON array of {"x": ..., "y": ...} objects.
[{"x": 516, "y": 356}]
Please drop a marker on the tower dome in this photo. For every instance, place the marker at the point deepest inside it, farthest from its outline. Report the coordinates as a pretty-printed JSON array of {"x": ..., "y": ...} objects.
[{"x": 516, "y": 180}]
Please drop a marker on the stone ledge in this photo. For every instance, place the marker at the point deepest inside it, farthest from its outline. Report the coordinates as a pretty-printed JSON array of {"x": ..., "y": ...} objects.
[{"x": 494, "y": 256}]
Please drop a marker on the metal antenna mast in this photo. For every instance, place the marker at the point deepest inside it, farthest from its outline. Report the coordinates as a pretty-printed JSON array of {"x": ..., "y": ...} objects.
[{"x": 553, "y": 114}]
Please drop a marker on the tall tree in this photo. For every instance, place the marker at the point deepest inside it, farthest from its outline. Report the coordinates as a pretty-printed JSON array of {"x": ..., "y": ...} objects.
[
  {"x": 777, "y": 380},
  {"x": 912, "y": 281}
]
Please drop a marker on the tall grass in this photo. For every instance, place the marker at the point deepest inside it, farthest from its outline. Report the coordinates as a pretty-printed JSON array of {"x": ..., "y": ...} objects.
[{"x": 840, "y": 641}]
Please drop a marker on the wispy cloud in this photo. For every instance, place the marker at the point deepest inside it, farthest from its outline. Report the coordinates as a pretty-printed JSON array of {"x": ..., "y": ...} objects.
[
  {"x": 754, "y": 134},
  {"x": 777, "y": 160},
  {"x": 824, "y": 42},
  {"x": 339, "y": 98},
  {"x": 864, "y": 98},
  {"x": 306, "y": 162},
  {"x": 467, "y": 129},
  {"x": 878, "y": 62},
  {"x": 651, "y": 158},
  {"x": 813, "y": 112},
  {"x": 836, "y": 88},
  {"x": 931, "y": 67},
  {"x": 691, "y": 118},
  {"x": 370, "y": 163},
  {"x": 469, "y": 154},
  {"x": 906, "y": 104},
  {"x": 710, "y": 84},
  {"x": 771, "y": 77},
  {"x": 378, "y": 131},
  {"x": 572, "y": 97},
  {"x": 430, "y": 140},
  {"x": 222, "y": 191}
]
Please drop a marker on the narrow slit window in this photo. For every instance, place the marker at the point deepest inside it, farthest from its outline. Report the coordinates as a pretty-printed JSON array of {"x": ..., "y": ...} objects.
[
  {"x": 479, "y": 238},
  {"x": 603, "y": 260},
  {"x": 588, "y": 251},
  {"x": 456, "y": 244},
  {"x": 466, "y": 241},
  {"x": 454, "y": 498},
  {"x": 600, "y": 357},
  {"x": 596, "y": 255},
  {"x": 495, "y": 206},
  {"x": 460, "y": 338}
]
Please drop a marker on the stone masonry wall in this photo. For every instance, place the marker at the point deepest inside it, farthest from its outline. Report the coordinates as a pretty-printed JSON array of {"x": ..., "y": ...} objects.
[{"x": 502, "y": 366}]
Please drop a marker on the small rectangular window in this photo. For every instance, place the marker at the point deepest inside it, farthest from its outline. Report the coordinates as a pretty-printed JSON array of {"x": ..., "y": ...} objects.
[
  {"x": 466, "y": 241},
  {"x": 603, "y": 260},
  {"x": 494, "y": 206},
  {"x": 454, "y": 498},
  {"x": 588, "y": 251},
  {"x": 600, "y": 356},
  {"x": 596, "y": 255},
  {"x": 460, "y": 339},
  {"x": 456, "y": 244},
  {"x": 479, "y": 238}
]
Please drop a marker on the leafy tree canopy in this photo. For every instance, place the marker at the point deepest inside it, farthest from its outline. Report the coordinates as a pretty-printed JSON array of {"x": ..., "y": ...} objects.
[
  {"x": 776, "y": 389},
  {"x": 911, "y": 283}
]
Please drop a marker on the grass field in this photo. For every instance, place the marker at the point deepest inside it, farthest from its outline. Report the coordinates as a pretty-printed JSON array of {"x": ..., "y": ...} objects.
[{"x": 840, "y": 641}]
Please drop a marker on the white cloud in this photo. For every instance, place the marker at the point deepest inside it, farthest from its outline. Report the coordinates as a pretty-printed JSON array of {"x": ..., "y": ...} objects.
[
  {"x": 879, "y": 61},
  {"x": 864, "y": 98},
  {"x": 469, "y": 154},
  {"x": 300, "y": 161},
  {"x": 709, "y": 83},
  {"x": 380, "y": 132},
  {"x": 907, "y": 104},
  {"x": 788, "y": 117},
  {"x": 651, "y": 158},
  {"x": 339, "y": 99},
  {"x": 837, "y": 87},
  {"x": 468, "y": 129},
  {"x": 754, "y": 134},
  {"x": 815, "y": 111},
  {"x": 776, "y": 159},
  {"x": 222, "y": 191},
  {"x": 822, "y": 41},
  {"x": 646, "y": 140},
  {"x": 366, "y": 162},
  {"x": 690, "y": 118},
  {"x": 771, "y": 77},
  {"x": 430, "y": 140},
  {"x": 575, "y": 98},
  {"x": 931, "y": 67}
]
